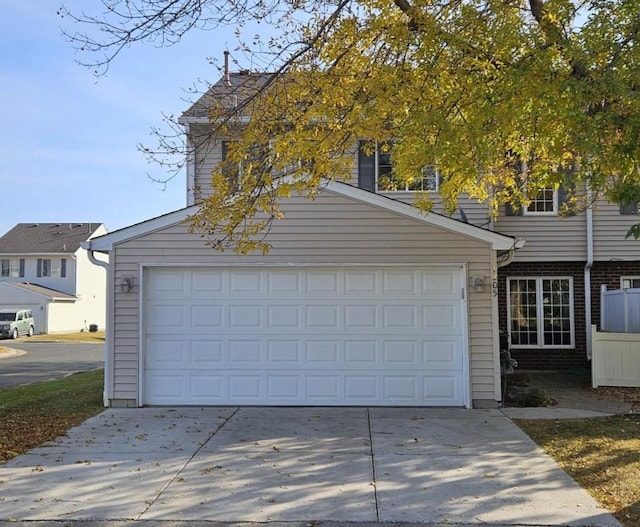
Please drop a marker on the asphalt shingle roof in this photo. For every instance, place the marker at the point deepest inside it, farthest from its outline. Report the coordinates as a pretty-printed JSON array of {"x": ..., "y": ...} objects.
[
  {"x": 228, "y": 95},
  {"x": 30, "y": 238}
]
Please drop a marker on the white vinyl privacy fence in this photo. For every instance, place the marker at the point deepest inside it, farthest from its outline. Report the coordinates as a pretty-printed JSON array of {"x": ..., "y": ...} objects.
[
  {"x": 620, "y": 310},
  {"x": 615, "y": 359}
]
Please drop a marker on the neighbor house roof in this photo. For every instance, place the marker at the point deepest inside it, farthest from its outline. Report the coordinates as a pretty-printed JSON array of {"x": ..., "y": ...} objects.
[
  {"x": 228, "y": 93},
  {"x": 30, "y": 238},
  {"x": 50, "y": 294}
]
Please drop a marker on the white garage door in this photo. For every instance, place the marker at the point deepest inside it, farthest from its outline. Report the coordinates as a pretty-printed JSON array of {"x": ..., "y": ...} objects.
[{"x": 304, "y": 336}]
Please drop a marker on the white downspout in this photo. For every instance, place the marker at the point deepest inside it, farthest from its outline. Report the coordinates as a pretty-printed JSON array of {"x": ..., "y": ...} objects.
[
  {"x": 587, "y": 274},
  {"x": 107, "y": 391}
]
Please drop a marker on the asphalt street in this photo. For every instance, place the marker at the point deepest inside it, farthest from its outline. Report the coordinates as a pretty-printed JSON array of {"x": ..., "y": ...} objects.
[{"x": 47, "y": 360}]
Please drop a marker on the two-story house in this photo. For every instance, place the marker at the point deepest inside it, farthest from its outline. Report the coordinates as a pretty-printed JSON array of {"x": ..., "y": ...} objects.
[
  {"x": 43, "y": 268},
  {"x": 362, "y": 300}
]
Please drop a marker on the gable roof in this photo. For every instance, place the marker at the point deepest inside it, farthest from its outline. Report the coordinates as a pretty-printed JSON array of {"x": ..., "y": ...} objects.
[
  {"x": 499, "y": 242},
  {"x": 39, "y": 238},
  {"x": 227, "y": 93},
  {"x": 50, "y": 294}
]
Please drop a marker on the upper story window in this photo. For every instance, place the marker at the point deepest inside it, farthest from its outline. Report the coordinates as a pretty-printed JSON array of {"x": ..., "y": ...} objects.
[
  {"x": 259, "y": 155},
  {"x": 628, "y": 208},
  {"x": 628, "y": 282},
  {"x": 375, "y": 172},
  {"x": 545, "y": 202},
  {"x": 12, "y": 267},
  {"x": 52, "y": 267}
]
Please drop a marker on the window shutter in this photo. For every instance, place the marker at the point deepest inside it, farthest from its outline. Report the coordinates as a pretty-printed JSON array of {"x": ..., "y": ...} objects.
[
  {"x": 512, "y": 210},
  {"x": 232, "y": 173},
  {"x": 564, "y": 194},
  {"x": 63, "y": 268},
  {"x": 628, "y": 208},
  {"x": 366, "y": 167},
  {"x": 21, "y": 267},
  {"x": 39, "y": 271}
]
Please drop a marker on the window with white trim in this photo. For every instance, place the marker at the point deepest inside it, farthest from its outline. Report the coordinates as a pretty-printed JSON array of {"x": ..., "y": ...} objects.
[
  {"x": 375, "y": 172},
  {"x": 540, "y": 312},
  {"x": 630, "y": 282},
  {"x": 52, "y": 267},
  {"x": 12, "y": 267},
  {"x": 544, "y": 202}
]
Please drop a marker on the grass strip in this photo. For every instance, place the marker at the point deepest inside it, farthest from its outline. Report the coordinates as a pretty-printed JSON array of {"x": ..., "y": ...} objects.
[
  {"x": 602, "y": 455},
  {"x": 39, "y": 412}
]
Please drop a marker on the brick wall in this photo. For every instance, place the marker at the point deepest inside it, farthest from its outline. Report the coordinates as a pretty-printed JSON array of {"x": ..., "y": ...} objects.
[{"x": 549, "y": 358}]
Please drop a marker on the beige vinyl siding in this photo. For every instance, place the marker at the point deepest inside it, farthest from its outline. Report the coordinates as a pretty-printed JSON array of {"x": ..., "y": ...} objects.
[
  {"x": 476, "y": 213},
  {"x": 609, "y": 230},
  {"x": 548, "y": 238},
  {"x": 329, "y": 230},
  {"x": 208, "y": 153}
]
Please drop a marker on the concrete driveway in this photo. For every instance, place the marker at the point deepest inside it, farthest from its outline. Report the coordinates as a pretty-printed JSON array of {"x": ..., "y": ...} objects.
[{"x": 295, "y": 464}]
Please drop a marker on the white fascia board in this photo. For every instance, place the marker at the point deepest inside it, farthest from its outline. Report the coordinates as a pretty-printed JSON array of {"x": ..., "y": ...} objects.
[
  {"x": 244, "y": 119},
  {"x": 499, "y": 242},
  {"x": 106, "y": 242}
]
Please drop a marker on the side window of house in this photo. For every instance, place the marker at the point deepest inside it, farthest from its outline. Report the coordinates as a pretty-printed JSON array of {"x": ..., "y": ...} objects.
[
  {"x": 375, "y": 172},
  {"x": 540, "y": 312},
  {"x": 629, "y": 282},
  {"x": 12, "y": 267},
  {"x": 52, "y": 267}
]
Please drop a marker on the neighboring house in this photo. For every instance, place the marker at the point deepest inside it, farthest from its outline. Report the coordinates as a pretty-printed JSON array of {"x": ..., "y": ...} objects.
[
  {"x": 363, "y": 300},
  {"x": 43, "y": 268}
]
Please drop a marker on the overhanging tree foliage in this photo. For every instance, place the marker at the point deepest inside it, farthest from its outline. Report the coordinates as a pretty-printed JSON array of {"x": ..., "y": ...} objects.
[{"x": 506, "y": 97}]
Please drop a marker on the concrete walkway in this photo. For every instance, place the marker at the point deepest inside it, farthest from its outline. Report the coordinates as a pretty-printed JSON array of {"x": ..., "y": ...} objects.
[{"x": 295, "y": 465}]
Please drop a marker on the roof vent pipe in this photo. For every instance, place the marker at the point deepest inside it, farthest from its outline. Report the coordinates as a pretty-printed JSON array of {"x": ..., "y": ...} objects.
[{"x": 227, "y": 76}]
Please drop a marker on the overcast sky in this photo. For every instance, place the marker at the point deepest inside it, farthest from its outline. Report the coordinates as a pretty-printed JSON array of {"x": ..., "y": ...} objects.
[{"x": 69, "y": 140}]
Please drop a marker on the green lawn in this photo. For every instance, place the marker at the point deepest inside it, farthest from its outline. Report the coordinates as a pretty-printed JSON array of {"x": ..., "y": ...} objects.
[{"x": 35, "y": 413}]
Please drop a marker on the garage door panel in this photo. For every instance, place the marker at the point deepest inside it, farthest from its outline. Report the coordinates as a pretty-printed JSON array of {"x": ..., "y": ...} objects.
[
  {"x": 322, "y": 316},
  {"x": 284, "y": 282},
  {"x": 245, "y": 351},
  {"x": 400, "y": 316},
  {"x": 322, "y": 283},
  {"x": 281, "y": 353},
  {"x": 167, "y": 354},
  {"x": 245, "y": 317},
  {"x": 360, "y": 352},
  {"x": 207, "y": 317},
  {"x": 284, "y": 387},
  {"x": 207, "y": 353},
  {"x": 167, "y": 283},
  {"x": 284, "y": 316},
  {"x": 441, "y": 388},
  {"x": 322, "y": 352},
  {"x": 245, "y": 283},
  {"x": 441, "y": 318},
  {"x": 442, "y": 354},
  {"x": 168, "y": 318},
  {"x": 303, "y": 336},
  {"x": 360, "y": 316},
  {"x": 360, "y": 282},
  {"x": 206, "y": 282}
]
